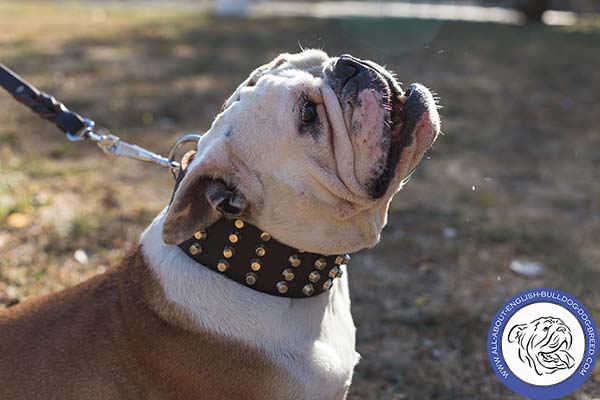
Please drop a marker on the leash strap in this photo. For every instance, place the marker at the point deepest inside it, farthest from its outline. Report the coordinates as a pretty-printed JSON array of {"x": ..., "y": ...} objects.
[
  {"x": 77, "y": 128},
  {"x": 41, "y": 103}
]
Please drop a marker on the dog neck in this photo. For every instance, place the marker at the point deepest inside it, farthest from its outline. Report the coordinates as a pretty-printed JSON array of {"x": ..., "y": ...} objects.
[{"x": 212, "y": 302}]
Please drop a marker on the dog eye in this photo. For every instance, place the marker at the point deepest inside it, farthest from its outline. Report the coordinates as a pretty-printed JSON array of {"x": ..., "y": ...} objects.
[
  {"x": 309, "y": 113},
  {"x": 546, "y": 329}
]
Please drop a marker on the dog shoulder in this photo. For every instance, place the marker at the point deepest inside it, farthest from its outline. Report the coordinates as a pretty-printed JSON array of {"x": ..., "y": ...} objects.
[{"x": 50, "y": 343}]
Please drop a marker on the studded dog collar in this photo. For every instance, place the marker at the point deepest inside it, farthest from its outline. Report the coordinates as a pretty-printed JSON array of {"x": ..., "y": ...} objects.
[{"x": 251, "y": 257}]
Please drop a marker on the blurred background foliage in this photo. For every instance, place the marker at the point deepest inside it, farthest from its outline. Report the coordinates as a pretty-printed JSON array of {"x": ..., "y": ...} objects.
[{"x": 507, "y": 199}]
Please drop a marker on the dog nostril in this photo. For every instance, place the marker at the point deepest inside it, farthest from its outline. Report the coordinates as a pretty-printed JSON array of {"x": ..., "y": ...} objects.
[{"x": 344, "y": 70}]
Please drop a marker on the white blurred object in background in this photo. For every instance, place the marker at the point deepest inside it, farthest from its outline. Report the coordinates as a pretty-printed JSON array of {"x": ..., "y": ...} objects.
[
  {"x": 232, "y": 8},
  {"x": 529, "y": 269}
]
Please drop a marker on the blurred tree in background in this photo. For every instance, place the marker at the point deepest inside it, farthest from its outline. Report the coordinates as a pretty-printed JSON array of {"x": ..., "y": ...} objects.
[{"x": 533, "y": 9}]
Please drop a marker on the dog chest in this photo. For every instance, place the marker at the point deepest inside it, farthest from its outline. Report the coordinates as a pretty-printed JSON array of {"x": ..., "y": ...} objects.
[
  {"x": 309, "y": 342},
  {"x": 324, "y": 372},
  {"x": 323, "y": 368}
]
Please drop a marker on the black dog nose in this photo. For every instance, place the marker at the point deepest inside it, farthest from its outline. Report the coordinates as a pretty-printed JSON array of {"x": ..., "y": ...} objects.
[{"x": 347, "y": 67}]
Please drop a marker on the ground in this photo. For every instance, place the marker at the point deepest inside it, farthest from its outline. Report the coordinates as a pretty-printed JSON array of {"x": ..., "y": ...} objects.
[{"x": 515, "y": 175}]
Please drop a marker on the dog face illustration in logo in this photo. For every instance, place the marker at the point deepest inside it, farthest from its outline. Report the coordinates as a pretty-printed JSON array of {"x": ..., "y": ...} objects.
[{"x": 544, "y": 344}]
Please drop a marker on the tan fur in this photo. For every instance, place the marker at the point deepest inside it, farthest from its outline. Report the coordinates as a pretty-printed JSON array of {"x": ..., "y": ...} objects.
[{"x": 103, "y": 339}]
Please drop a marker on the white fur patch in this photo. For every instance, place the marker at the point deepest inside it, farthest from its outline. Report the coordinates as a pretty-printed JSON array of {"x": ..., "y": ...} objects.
[{"x": 313, "y": 339}]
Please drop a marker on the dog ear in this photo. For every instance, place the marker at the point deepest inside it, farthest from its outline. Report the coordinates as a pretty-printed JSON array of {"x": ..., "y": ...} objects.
[
  {"x": 199, "y": 201},
  {"x": 516, "y": 332}
]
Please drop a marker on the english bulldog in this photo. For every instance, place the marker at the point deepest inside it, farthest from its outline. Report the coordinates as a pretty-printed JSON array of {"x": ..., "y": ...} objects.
[
  {"x": 237, "y": 289},
  {"x": 544, "y": 344}
]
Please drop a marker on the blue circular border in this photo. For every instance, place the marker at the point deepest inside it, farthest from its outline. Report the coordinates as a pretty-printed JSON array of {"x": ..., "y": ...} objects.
[{"x": 542, "y": 392}]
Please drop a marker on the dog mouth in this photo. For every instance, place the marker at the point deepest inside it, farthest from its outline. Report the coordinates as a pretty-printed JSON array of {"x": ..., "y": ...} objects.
[
  {"x": 405, "y": 113},
  {"x": 399, "y": 135},
  {"x": 556, "y": 355}
]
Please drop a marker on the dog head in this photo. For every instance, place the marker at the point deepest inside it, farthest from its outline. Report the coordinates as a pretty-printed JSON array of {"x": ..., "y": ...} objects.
[
  {"x": 544, "y": 344},
  {"x": 311, "y": 149}
]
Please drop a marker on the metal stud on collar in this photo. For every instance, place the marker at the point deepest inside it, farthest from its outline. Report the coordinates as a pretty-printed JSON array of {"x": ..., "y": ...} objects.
[
  {"x": 282, "y": 287},
  {"x": 195, "y": 249},
  {"x": 260, "y": 250},
  {"x": 314, "y": 276},
  {"x": 228, "y": 252},
  {"x": 265, "y": 236},
  {"x": 222, "y": 265},
  {"x": 321, "y": 264},
  {"x": 342, "y": 259},
  {"x": 333, "y": 272},
  {"x": 235, "y": 237},
  {"x": 288, "y": 274},
  {"x": 255, "y": 264},
  {"x": 294, "y": 261},
  {"x": 251, "y": 278},
  {"x": 308, "y": 290}
]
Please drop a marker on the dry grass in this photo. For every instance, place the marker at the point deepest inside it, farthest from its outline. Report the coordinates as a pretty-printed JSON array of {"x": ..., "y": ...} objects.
[{"x": 516, "y": 174}]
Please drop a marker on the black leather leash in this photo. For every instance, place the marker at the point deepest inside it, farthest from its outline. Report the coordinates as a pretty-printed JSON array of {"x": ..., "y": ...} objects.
[
  {"x": 77, "y": 128},
  {"x": 41, "y": 103}
]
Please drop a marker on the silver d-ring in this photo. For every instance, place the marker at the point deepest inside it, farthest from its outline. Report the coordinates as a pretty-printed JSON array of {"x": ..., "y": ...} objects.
[
  {"x": 192, "y": 137},
  {"x": 83, "y": 133}
]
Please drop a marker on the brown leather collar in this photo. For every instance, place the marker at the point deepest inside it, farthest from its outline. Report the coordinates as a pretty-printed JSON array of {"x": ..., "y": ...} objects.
[
  {"x": 244, "y": 253},
  {"x": 251, "y": 257}
]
